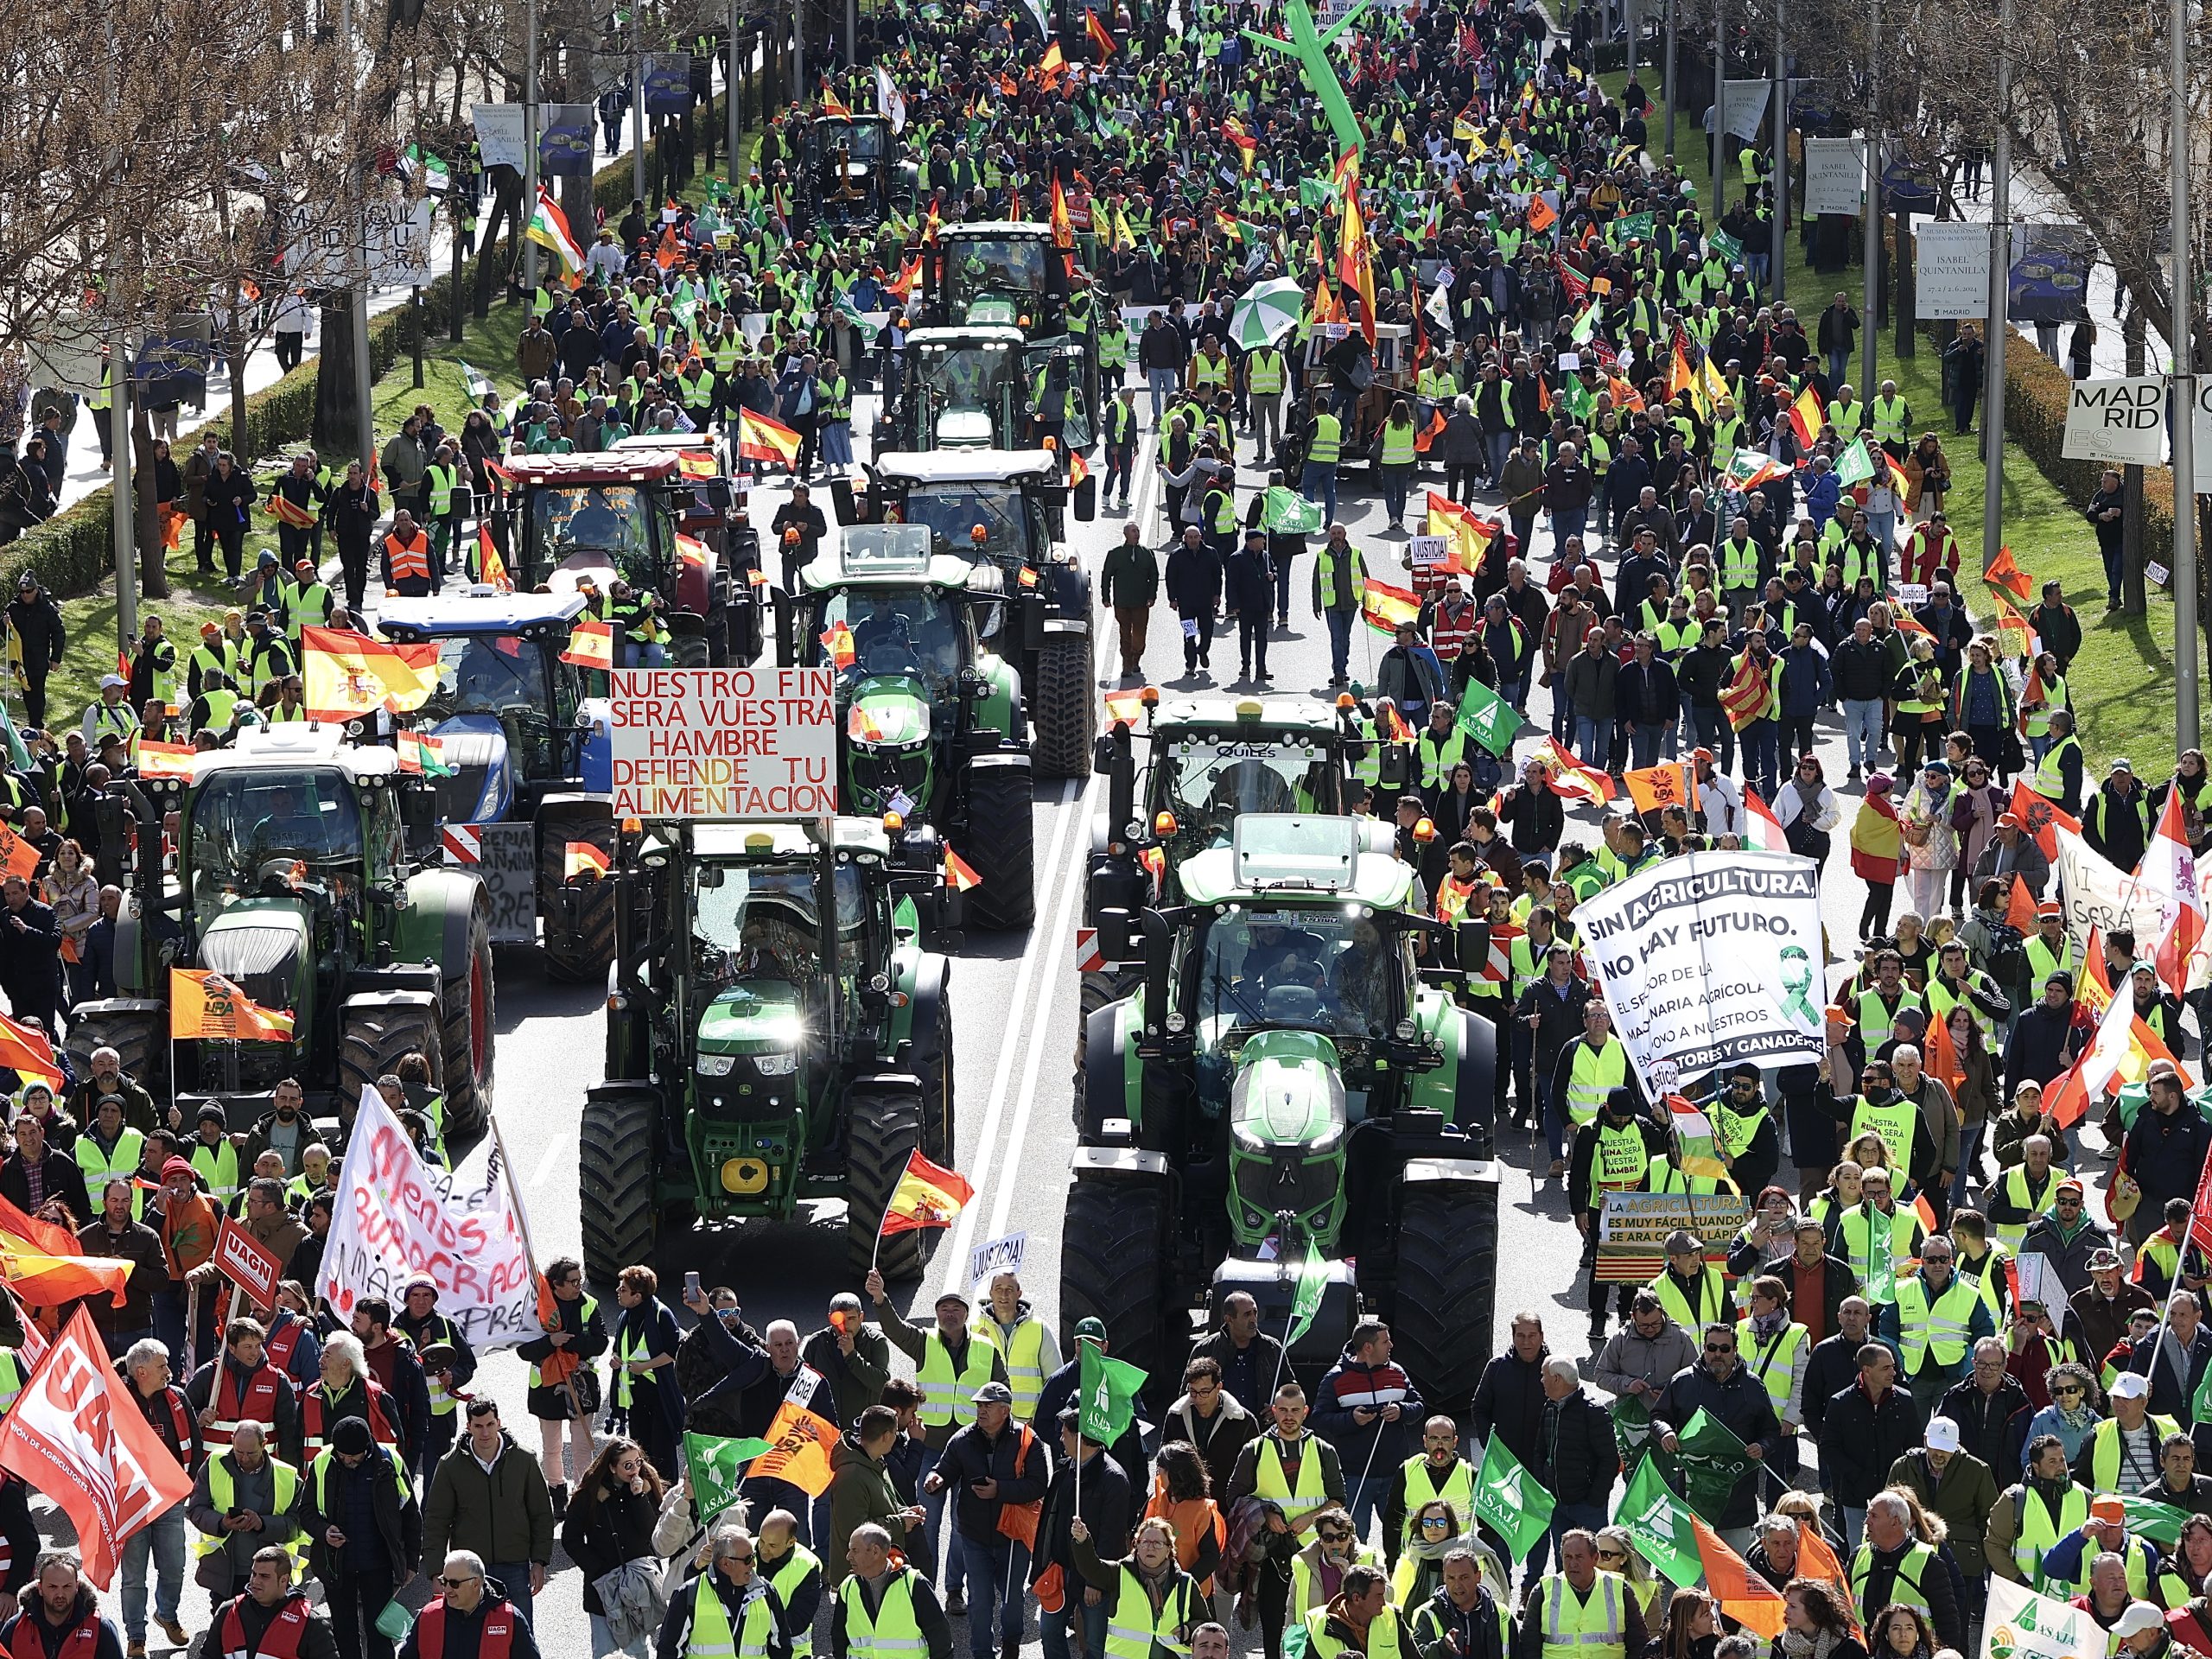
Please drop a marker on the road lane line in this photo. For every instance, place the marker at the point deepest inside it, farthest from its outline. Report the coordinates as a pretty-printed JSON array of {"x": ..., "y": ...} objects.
[{"x": 545, "y": 1164}]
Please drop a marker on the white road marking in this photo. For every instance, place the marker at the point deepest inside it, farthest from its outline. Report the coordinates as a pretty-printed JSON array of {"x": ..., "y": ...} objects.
[{"x": 553, "y": 1152}]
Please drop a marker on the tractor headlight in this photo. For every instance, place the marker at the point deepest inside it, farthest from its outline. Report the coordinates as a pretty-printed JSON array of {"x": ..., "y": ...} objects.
[
  {"x": 1176, "y": 1022},
  {"x": 776, "y": 1066},
  {"x": 1405, "y": 1031},
  {"x": 715, "y": 1065}
]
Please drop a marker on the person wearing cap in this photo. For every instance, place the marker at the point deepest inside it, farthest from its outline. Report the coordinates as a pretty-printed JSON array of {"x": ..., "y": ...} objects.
[
  {"x": 2011, "y": 851},
  {"x": 952, "y": 1363},
  {"x": 2165, "y": 1151},
  {"x": 2122, "y": 1452},
  {"x": 110, "y": 713},
  {"x": 2079, "y": 1253},
  {"x": 421, "y": 1323},
  {"x": 267, "y": 659},
  {"x": 2045, "y": 1038},
  {"x": 1060, "y": 1391},
  {"x": 1615, "y": 1152},
  {"x": 1935, "y": 1321},
  {"x": 2103, "y": 1532},
  {"x": 1952, "y": 1483},
  {"x": 2116, "y": 820},
  {"x": 354, "y": 1479},
  {"x": 1722, "y": 1388}
]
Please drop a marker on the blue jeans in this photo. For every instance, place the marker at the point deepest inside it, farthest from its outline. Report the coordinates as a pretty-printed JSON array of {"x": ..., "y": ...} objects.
[
  {"x": 1395, "y": 481},
  {"x": 1318, "y": 484},
  {"x": 630, "y": 654},
  {"x": 1853, "y": 1524},
  {"x": 1761, "y": 755},
  {"x": 1644, "y": 743},
  {"x": 1592, "y": 739},
  {"x": 1499, "y": 446},
  {"x": 603, "y": 1643},
  {"x": 1340, "y": 626},
  {"x": 955, "y": 1575},
  {"x": 514, "y": 1578},
  {"x": 1567, "y": 524},
  {"x": 1517, "y": 692},
  {"x": 1862, "y": 730},
  {"x": 1839, "y": 374},
  {"x": 1052, "y": 1628},
  {"x": 161, "y": 1540},
  {"x": 1969, "y": 1149},
  {"x": 1282, "y": 592},
  {"x": 1162, "y": 382},
  {"x": 768, "y": 1493},
  {"x": 1363, "y": 1496},
  {"x": 1565, "y": 1518},
  {"x": 1562, "y": 713},
  {"x": 998, "y": 1576}
]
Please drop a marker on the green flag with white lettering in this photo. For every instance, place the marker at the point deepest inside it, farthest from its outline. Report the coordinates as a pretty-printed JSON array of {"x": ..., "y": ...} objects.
[
  {"x": 1285, "y": 512},
  {"x": 717, "y": 1466},
  {"x": 1660, "y": 1522},
  {"x": 1855, "y": 465},
  {"x": 1705, "y": 1464},
  {"x": 1107, "y": 1394},
  {"x": 1512, "y": 1499},
  {"x": 1489, "y": 719}
]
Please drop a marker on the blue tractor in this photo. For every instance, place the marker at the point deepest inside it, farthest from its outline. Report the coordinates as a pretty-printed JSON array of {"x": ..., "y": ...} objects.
[{"x": 525, "y": 794}]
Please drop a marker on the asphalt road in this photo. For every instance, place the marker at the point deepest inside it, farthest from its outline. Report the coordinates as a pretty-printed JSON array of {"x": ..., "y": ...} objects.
[{"x": 1014, "y": 1018}]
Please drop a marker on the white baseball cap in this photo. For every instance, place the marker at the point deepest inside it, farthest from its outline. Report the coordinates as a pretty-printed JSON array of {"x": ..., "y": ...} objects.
[
  {"x": 1943, "y": 1434},
  {"x": 2131, "y": 1385}
]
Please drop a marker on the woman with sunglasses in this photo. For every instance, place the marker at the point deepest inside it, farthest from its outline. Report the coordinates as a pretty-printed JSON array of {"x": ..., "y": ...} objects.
[
  {"x": 2072, "y": 1416},
  {"x": 1616, "y": 1553},
  {"x": 1977, "y": 803},
  {"x": 609, "y": 1524},
  {"x": 1420, "y": 1564}
]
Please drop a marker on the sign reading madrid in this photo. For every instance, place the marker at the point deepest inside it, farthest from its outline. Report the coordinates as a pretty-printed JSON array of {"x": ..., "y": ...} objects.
[{"x": 721, "y": 743}]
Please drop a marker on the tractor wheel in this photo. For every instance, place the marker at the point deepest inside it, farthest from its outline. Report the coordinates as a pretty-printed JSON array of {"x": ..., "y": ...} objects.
[
  {"x": 883, "y": 1128},
  {"x": 688, "y": 649},
  {"x": 933, "y": 1065},
  {"x": 1002, "y": 847},
  {"x": 470, "y": 1037},
  {"x": 372, "y": 1039},
  {"x": 1447, "y": 1289},
  {"x": 1097, "y": 989},
  {"x": 1114, "y": 1269},
  {"x": 1063, "y": 712},
  {"x": 574, "y": 957},
  {"x": 614, "y": 1181},
  {"x": 140, "y": 1038}
]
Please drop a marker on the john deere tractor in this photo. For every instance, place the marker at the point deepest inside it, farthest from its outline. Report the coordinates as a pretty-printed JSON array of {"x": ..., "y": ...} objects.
[
  {"x": 933, "y": 727},
  {"x": 301, "y": 879},
  {"x": 1288, "y": 1085},
  {"x": 1004, "y": 509},
  {"x": 851, "y": 176},
  {"x": 776, "y": 1034},
  {"x": 1205, "y": 762}
]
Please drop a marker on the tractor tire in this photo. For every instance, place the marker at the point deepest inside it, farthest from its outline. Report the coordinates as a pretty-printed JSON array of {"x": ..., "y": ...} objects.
[
  {"x": 374, "y": 1039},
  {"x": 614, "y": 1181},
  {"x": 470, "y": 1038},
  {"x": 1002, "y": 848},
  {"x": 688, "y": 649},
  {"x": 1097, "y": 989},
  {"x": 1064, "y": 711},
  {"x": 141, "y": 1040},
  {"x": 933, "y": 1065},
  {"x": 574, "y": 958},
  {"x": 1446, "y": 1290},
  {"x": 883, "y": 1128},
  {"x": 1114, "y": 1247}
]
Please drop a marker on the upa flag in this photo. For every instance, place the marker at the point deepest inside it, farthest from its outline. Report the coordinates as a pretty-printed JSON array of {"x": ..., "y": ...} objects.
[
  {"x": 1669, "y": 784},
  {"x": 761, "y": 437},
  {"x": 1489, "y": 719},
  {"x": 17, "y": 856},
  {"x": 42, "y": 1264},
  {"x": 349, "y": 675},
  {"x": 800, "y": 1439},
  {"x": 76, "y": 1434},
  {"x": 1106, "y": 1392},
  {"x": 2041, "y": 818},
  {"x": 717, "y": 1466},
  {"x": 2004, "y": 572},
  {"x": 203, "y": 1004},
  {"x": 1512, "y": 1499},
  {"x": 591, "y": 643},
  {"x": 926, "y": 1196},
  {"x": 1386, "y": 607},
  {"x": 583, "y": 858}
]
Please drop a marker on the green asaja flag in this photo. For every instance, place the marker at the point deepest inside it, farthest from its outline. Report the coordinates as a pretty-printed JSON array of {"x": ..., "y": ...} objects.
[
  {"x": 1730, "y": 249},
  {"x": 2148, "y": 1518},
  {"x": 1512, "y": 1499},
  {"x": 1285, "y": 512},
  {"x": 1312, "y": 1281},
  {"x": 717, "y": 1466},
  {"x": 1706, "y": 1463},
  {"x": 1854, "y": 465},
  {"x": 1107, "y": 1393},
  {"x": 1489, "y": 719},
  {"x": 1659, "y": 1523}
]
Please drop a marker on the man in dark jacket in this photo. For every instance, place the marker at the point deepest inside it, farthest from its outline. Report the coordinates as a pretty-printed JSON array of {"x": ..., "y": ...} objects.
[
  {"x": 1128, "y": 583},
  {"x": 2116, "y": 820},
  {"x": 1410, "y": 676},
  {"x": 1509, "y": 1398},
  {"x": 1248, "y": 590},
  {"x": 989, "y": 1466},
  {"x": 2175, "y": 1358},
  {"x": 1110, "y": 1507},
  {"x": 1194, "y": 578},
  {"x": 365, "y": 1533},
  {"x": 1211, "y": 1420},
  {"x": 1365, "y": 1407},
  {"x": 1059, "y": 1393},
  {"x": 36, "y": 621},
  {"x": 2165, "y": 1151},
  {"x": 1729, "y": 1394},
  {"x": 2056, "y": 626},
  {"x": 113, "y": 1233},
  {"x": 1865, "y": 1428},
  {"x": 1985, "y": 1404},
  {"x": 243, "y": 1623},
  {"x": 1577, "y": 1458},
  {"x": 1460, "y": 1620},
  {"x": 1817, "y": 1282},
  {"x": 1646, "y": 701},
  {"x": 1250, "y": 1360},
  {"x": 31, "y": 962},
  {"x": 36, "y": 1173}
]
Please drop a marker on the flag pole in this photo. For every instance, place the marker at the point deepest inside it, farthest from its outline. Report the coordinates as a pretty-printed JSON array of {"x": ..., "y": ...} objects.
[{"x": 529, "y": 1251}]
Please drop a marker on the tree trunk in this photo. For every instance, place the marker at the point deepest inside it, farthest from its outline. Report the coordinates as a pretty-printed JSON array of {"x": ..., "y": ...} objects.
[
  {"x": 506, "y": 206},
  {"x": 234, "y": 353},
  {"x": 153, "y": 552}
]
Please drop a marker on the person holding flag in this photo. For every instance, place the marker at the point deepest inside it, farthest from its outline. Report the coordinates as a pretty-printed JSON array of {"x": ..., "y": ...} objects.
[
  {"x": 994, "y": 1471},
  {"x": 1088, "y": 1485},
  {"x": 1297, "y": 1475},
  {"x": 1361, "y": 1407},
  {"x": 1722, "y": 1390}
]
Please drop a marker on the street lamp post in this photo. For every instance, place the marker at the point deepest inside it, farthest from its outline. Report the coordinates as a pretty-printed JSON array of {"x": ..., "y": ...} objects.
[{"x": 2181, "y": 142}]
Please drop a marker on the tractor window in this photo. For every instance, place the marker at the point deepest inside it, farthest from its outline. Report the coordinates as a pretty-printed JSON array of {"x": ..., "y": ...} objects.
[
  {"x": 762, "y": 924},
  {"x": 491, "y": 674},
  {"x": 1316, "y": 970},
  {"x": 1206, "y": 784},
  {"x": 383, "y": 835},
  {"x": 993, "y": 268},
  {"x": 594, "y": 528},
  {"x": 899, "y": 631},
  {"x": 953, "y": 511},
  {"x": 250, "y": 827},
  {"x": 960, "y": 378}
]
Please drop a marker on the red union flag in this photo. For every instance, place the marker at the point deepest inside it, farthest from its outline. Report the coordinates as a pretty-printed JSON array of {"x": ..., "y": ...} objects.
[{"x": 74, "y": 1436}]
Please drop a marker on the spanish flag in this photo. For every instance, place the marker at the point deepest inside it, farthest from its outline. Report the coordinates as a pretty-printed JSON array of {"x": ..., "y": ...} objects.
[
  {"x": 155, "y": 759},
  {"x": 833, "y": 105},
  {"x": 837, "y": 643},
  {"x": 1078, "y": 470},
  {"x": 203, "y": 1004},
  {"x": 1099, "y": 37},
  {"x": 46, "y": 1267},
  {"x": 1062, "y": 223},
  {"x": 349, "y": 674},
  {"x": 1385, "y": 607},
  {"x": 959, "y": 874},
  {"x": 926, "y": 1196},
  {"x": 591, "y": 643},
  {"x": 583, "y": 858},
  {"x": 491, "y": 569},
  {"x": 1808, "y": 414},
  {"x": 25, "y": 1050},
  {"x": 285, "y": 510},
  {"x": 761, "y": 437},
  {"x": 1355, "y": 267}
]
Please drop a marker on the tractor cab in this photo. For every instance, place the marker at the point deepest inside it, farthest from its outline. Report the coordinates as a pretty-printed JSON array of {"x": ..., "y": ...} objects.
[
  {"x": 850, "y": 169},
  {"x": 1010, "y": 274},
  {"x": 964, "y": 390}
]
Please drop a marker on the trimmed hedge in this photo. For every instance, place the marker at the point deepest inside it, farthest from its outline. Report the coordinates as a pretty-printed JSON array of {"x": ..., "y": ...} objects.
[
  {"x": 2037, "y": 394},
  {"x": 74, "y": 552}
]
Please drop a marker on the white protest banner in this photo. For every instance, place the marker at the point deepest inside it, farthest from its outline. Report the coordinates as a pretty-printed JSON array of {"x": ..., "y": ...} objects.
[
  {"x": 1002, "y": 1254},
  {"x": 1710, "y": 959},
  {"x": 2021, "y": 1624},
  {"x": 2119, "y": 422},
  {"x": 502, "y": 134},
  {"x": 2097, "y": 893},
  {"x": 1950, "y": 272},
  {"x": 1835, "y": 175},
  {"x": 397, "y": 1217},
  {"x": 1747, "y": 110},
  {"x": 725, "y": 743},
  {"x": 1424, "y": 552}
]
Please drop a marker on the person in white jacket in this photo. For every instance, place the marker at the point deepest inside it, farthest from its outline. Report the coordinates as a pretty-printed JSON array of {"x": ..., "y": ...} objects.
[
  {"x": 1807, "y": 808},
  {"x": 1720, "y": 797}
]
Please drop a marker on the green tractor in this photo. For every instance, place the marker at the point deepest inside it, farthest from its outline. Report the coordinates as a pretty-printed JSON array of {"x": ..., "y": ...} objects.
[
  {"x": 1008, "y": 273},
  {"x": 932, "y": 723},
  {"x": 1206, "y": 761},
  {"x": 1287, "y": 1084},
  {"x": 976, "y": 387},
  {"x": 301, "y": 878},
  {"x": 776, "y": 1033}
]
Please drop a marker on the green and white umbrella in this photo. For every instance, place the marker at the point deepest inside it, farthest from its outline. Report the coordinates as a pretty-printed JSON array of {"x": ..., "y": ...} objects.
[{"x": 1265, "y": 314}]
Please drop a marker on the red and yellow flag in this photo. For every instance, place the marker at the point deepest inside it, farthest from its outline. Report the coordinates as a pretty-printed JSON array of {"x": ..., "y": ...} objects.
[
  {"x": 348, "y": 675},
  {"x": 25, "y": 1050},
  {"x": 1385, "y": 607},
  {"x": 583, "y": 858},
  {"x": 285, "y": 510},
  {"x": 203, "y": 1004},
  {"x": 2014, "y": 636},
  {"x": 155, "y": 759},
  {"x": 2003, "y": 573},
  {"x": 1355, "y": 268},
  {"x": 45, "y": 1266},
  {"x": 837, "y": 643},
  {"x": 421, "y": 752},
  {"x": 926, "y": 1196},
  {"x": 762, "y": 437},
  {"x": 833, "y": 105},
  {"x": 1099, "y": 37},
  {"x": 1062, "y": 225},
  {"x": 490, "y": 567},
  {"x": 1808, "y": 414},
  {"x": 591, "y": 643},
  {"x": 959, "y": 874},
  {"x": 1078, "y": 470}
]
